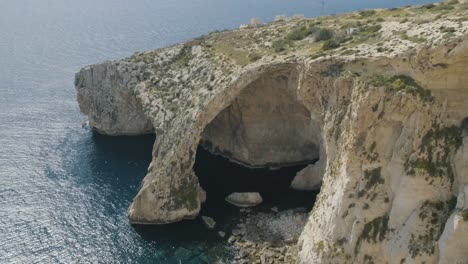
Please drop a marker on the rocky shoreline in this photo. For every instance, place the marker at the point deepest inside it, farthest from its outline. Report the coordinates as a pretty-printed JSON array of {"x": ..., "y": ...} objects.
[{"x": 265, "y": 237}]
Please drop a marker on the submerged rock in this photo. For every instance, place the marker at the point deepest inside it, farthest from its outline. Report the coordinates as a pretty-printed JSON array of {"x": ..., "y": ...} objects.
[
  {"x": 183, "y": 254},
  {"x": 221, "y": 234},
  {"x": 209, "y": 222},
  {"x": 248, "y": 199}
]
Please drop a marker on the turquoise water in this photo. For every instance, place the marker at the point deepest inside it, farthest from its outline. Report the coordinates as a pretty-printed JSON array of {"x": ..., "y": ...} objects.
[{"x": 64, "y": 191}]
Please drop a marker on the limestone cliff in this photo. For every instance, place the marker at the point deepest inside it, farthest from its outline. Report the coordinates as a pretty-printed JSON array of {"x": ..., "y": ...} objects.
[{"x": 380, "y": 98}]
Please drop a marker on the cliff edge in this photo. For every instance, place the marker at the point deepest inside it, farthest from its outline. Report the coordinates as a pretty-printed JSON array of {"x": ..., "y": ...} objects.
[{"x": 379, "y": 97}]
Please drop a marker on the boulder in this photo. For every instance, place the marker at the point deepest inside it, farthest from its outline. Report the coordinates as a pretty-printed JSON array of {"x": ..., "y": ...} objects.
[{"x": 247, "y": 199}]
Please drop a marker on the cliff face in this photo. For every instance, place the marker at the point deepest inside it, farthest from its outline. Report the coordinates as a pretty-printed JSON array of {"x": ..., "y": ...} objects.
[
  {"x": 385, "y": 114},
  {"x": 106, "y": 96}
]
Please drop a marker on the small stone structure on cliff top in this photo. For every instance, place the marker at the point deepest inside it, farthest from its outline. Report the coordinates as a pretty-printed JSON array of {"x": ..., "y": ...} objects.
[{"x": 379, "y": 97}]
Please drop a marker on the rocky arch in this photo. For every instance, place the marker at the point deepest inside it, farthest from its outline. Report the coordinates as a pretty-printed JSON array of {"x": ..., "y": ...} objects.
[
  {"x": 290, "y": 134},
  {"x": 268, "y": 130},
  {"x": 265, "y": 125}
]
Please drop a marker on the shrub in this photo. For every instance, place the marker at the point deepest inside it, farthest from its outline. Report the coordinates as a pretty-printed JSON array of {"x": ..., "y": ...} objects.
[
  {"x": 447, "y": 30},
  {"x": 321, "y": 245},
  {"x": 184, "y": 55},
  {"x": 367, "y": 13},
  {"x": 330, "y": 44},
  {"x": 280, "y": 45},
  {"x": 442, "y": 7},
  {"x": 373, "y": 28},
  {"x": 373, "y": 177},
  {"x": 428, "y": 6},
  {"x": 254, "y": 57},
  {"x": 300, "y": 33},
  {"x": 414, "y": 39},
  {"x": 324, "y": 34},
  {"x": 401, "y": 83}
]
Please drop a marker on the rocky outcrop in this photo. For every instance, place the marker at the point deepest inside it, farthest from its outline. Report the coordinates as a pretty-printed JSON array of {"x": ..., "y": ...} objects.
[
  {"x": 309, "y": 178},
  {"x": 384, "y": 113},
  {"x": 106, "y": 95}
]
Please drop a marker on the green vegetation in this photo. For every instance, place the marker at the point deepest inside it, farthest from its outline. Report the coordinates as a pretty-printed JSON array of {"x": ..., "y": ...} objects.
[
  {"x": 447, "y": 29},
  {"x": 185, "y": 196},
  {"x": 435, "y": 214},
  {"x": 373, "y": 177},
  {"x": 428, "y": 6},
  {"x": 301, "y": 33},
  {"x": 400, "y": 83},
  {"x": 367, "y": 13},
  {"x": 280, "y": 45},
  {"x": 334, "y": 70},
  {"x": 330, "y": 38},
  {"x": 330, "y": 44},
  {"x": 324, "y": 34},
  {"x": 374, "y": 231},
  {"x": 443, "y": 7},
  {"x": 185, "y": 54},
  {"x": 435, "y": 149},
  {"x": 254, "y": 57},
  {"x": 414, "y": 39},
  {"x": 366, "y": 33},
  {"x": 321, "y": 245}
]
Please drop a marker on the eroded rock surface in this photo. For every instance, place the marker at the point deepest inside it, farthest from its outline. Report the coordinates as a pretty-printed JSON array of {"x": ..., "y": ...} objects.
[{"x": 385, "y": 114}]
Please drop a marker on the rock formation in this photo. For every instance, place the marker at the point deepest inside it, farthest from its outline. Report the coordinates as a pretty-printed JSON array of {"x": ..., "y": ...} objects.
[
  {"x": 378, "y": 97},
  {"x": 208, "y": 222},
  {"x": 244, "y": 199}
]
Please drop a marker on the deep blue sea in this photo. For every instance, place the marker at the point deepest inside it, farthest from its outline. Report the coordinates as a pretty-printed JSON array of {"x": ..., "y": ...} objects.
[{"x": 64, "y": 191}]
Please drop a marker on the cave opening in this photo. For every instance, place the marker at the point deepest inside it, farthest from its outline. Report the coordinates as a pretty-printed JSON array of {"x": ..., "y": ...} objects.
[
  {"x": 219, "y": 177},
  {"x": 260, "y": 143}
]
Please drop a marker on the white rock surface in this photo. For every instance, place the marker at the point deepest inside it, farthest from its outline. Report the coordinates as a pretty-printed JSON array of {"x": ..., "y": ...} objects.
[{"x": 309, "y": 178}]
